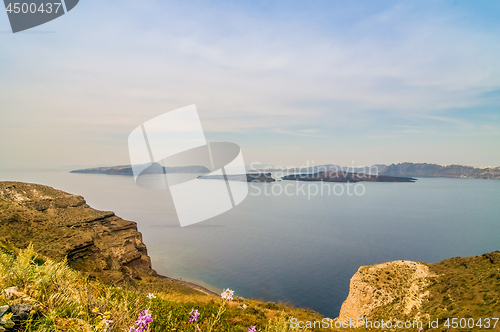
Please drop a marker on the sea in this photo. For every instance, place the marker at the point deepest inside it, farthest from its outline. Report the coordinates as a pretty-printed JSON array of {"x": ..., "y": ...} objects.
[{"x": 295, "y": 247}]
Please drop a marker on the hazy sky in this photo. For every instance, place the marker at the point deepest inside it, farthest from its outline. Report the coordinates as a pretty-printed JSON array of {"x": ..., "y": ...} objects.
[{"x": 343, "y": 82}]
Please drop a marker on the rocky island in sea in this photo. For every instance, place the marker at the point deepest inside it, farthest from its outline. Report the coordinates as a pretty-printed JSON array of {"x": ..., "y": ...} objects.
[
  {"x": 155, "y": 168},
  {"x": 331, "y": 176},
  {"x": 385, "y": 173},
  {"x": 249, "y": 177}
]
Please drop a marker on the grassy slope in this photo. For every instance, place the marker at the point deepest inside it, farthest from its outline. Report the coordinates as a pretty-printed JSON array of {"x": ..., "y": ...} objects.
[
  {"x": 55, "y": 223},
  {"x": 461, "y": 287},
  {"x": 465, "y": 287},
  {"x": 65, "y": 300}
]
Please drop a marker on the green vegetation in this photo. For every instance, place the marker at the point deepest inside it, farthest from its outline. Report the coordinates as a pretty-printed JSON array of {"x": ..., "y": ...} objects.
[
  {"x": 66, "y": 300},
  {"x": 465, "y": 287}
]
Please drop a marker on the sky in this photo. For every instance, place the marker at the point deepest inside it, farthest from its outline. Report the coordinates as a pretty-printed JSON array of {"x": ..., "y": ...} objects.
[{"x": 292, "y": 83}]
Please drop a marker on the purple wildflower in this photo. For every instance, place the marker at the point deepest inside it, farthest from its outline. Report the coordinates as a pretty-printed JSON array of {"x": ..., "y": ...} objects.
[
  {"x": 107, "y": 324},
  {"x": 227, "y": 294},
  {"x": 252, "y": 328},
  {"x": 194, "y": 315},
  {"x": 142, "y": 322}
]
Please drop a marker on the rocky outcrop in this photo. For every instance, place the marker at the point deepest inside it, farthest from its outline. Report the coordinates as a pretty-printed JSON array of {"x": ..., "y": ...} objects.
[
  {"x": 447, "y": 171},
  {"x": 13, "y": 315},
  {"x": 389, "y": 290},
  {"x": 404, "y": 290},
  {"x": 62, "y": 226}
]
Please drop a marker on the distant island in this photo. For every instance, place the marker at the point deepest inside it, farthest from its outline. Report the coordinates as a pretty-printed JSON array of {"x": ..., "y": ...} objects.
[
  {"x": 249, "y": 177},
  {"x": 346, "y": 177},
  {"x": 378, "y": 172},
  {"x": 155, "y": 168}
]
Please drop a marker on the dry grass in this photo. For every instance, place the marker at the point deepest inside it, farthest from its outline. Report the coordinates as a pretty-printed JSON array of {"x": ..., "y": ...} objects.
[{"x": 68, "y": 301}]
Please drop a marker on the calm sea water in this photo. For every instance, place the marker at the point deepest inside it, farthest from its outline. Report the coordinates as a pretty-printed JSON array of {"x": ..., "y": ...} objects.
[{"x": 294, "y": 248}]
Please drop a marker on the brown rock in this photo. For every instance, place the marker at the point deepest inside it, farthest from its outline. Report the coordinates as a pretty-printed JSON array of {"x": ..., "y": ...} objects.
[
  {"x": 390, "y": 290},
  {"x": 61, "y": 225}
]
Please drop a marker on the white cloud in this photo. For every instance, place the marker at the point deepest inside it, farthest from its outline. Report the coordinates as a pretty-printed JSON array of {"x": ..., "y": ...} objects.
[{"x": 104, "y": 76}]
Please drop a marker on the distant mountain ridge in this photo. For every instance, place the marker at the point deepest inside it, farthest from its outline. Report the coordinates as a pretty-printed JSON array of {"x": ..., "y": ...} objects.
[
  {"x": 405, "y": 169},
  {"x": 435, "y": 170}
]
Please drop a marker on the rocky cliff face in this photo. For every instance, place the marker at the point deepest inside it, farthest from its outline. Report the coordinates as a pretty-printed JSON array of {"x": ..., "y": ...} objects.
[
  {"x": 61, "y": 225},
  {"x": 460, "y": 287},
  {"x": 389, "y": 290}
]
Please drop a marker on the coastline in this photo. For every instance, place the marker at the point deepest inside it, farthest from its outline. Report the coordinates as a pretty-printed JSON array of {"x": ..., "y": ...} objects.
[{"x": 194, "y": 286}]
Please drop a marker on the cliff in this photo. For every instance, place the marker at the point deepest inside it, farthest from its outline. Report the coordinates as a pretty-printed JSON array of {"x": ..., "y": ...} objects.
[
  {"x": 109, "y": 249},
  {"x": 387, "y": 290},
  {"x": 434, "y": 170},
  {"x": 461, "y": 287},
  {"x": 61, "y": 225}
]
